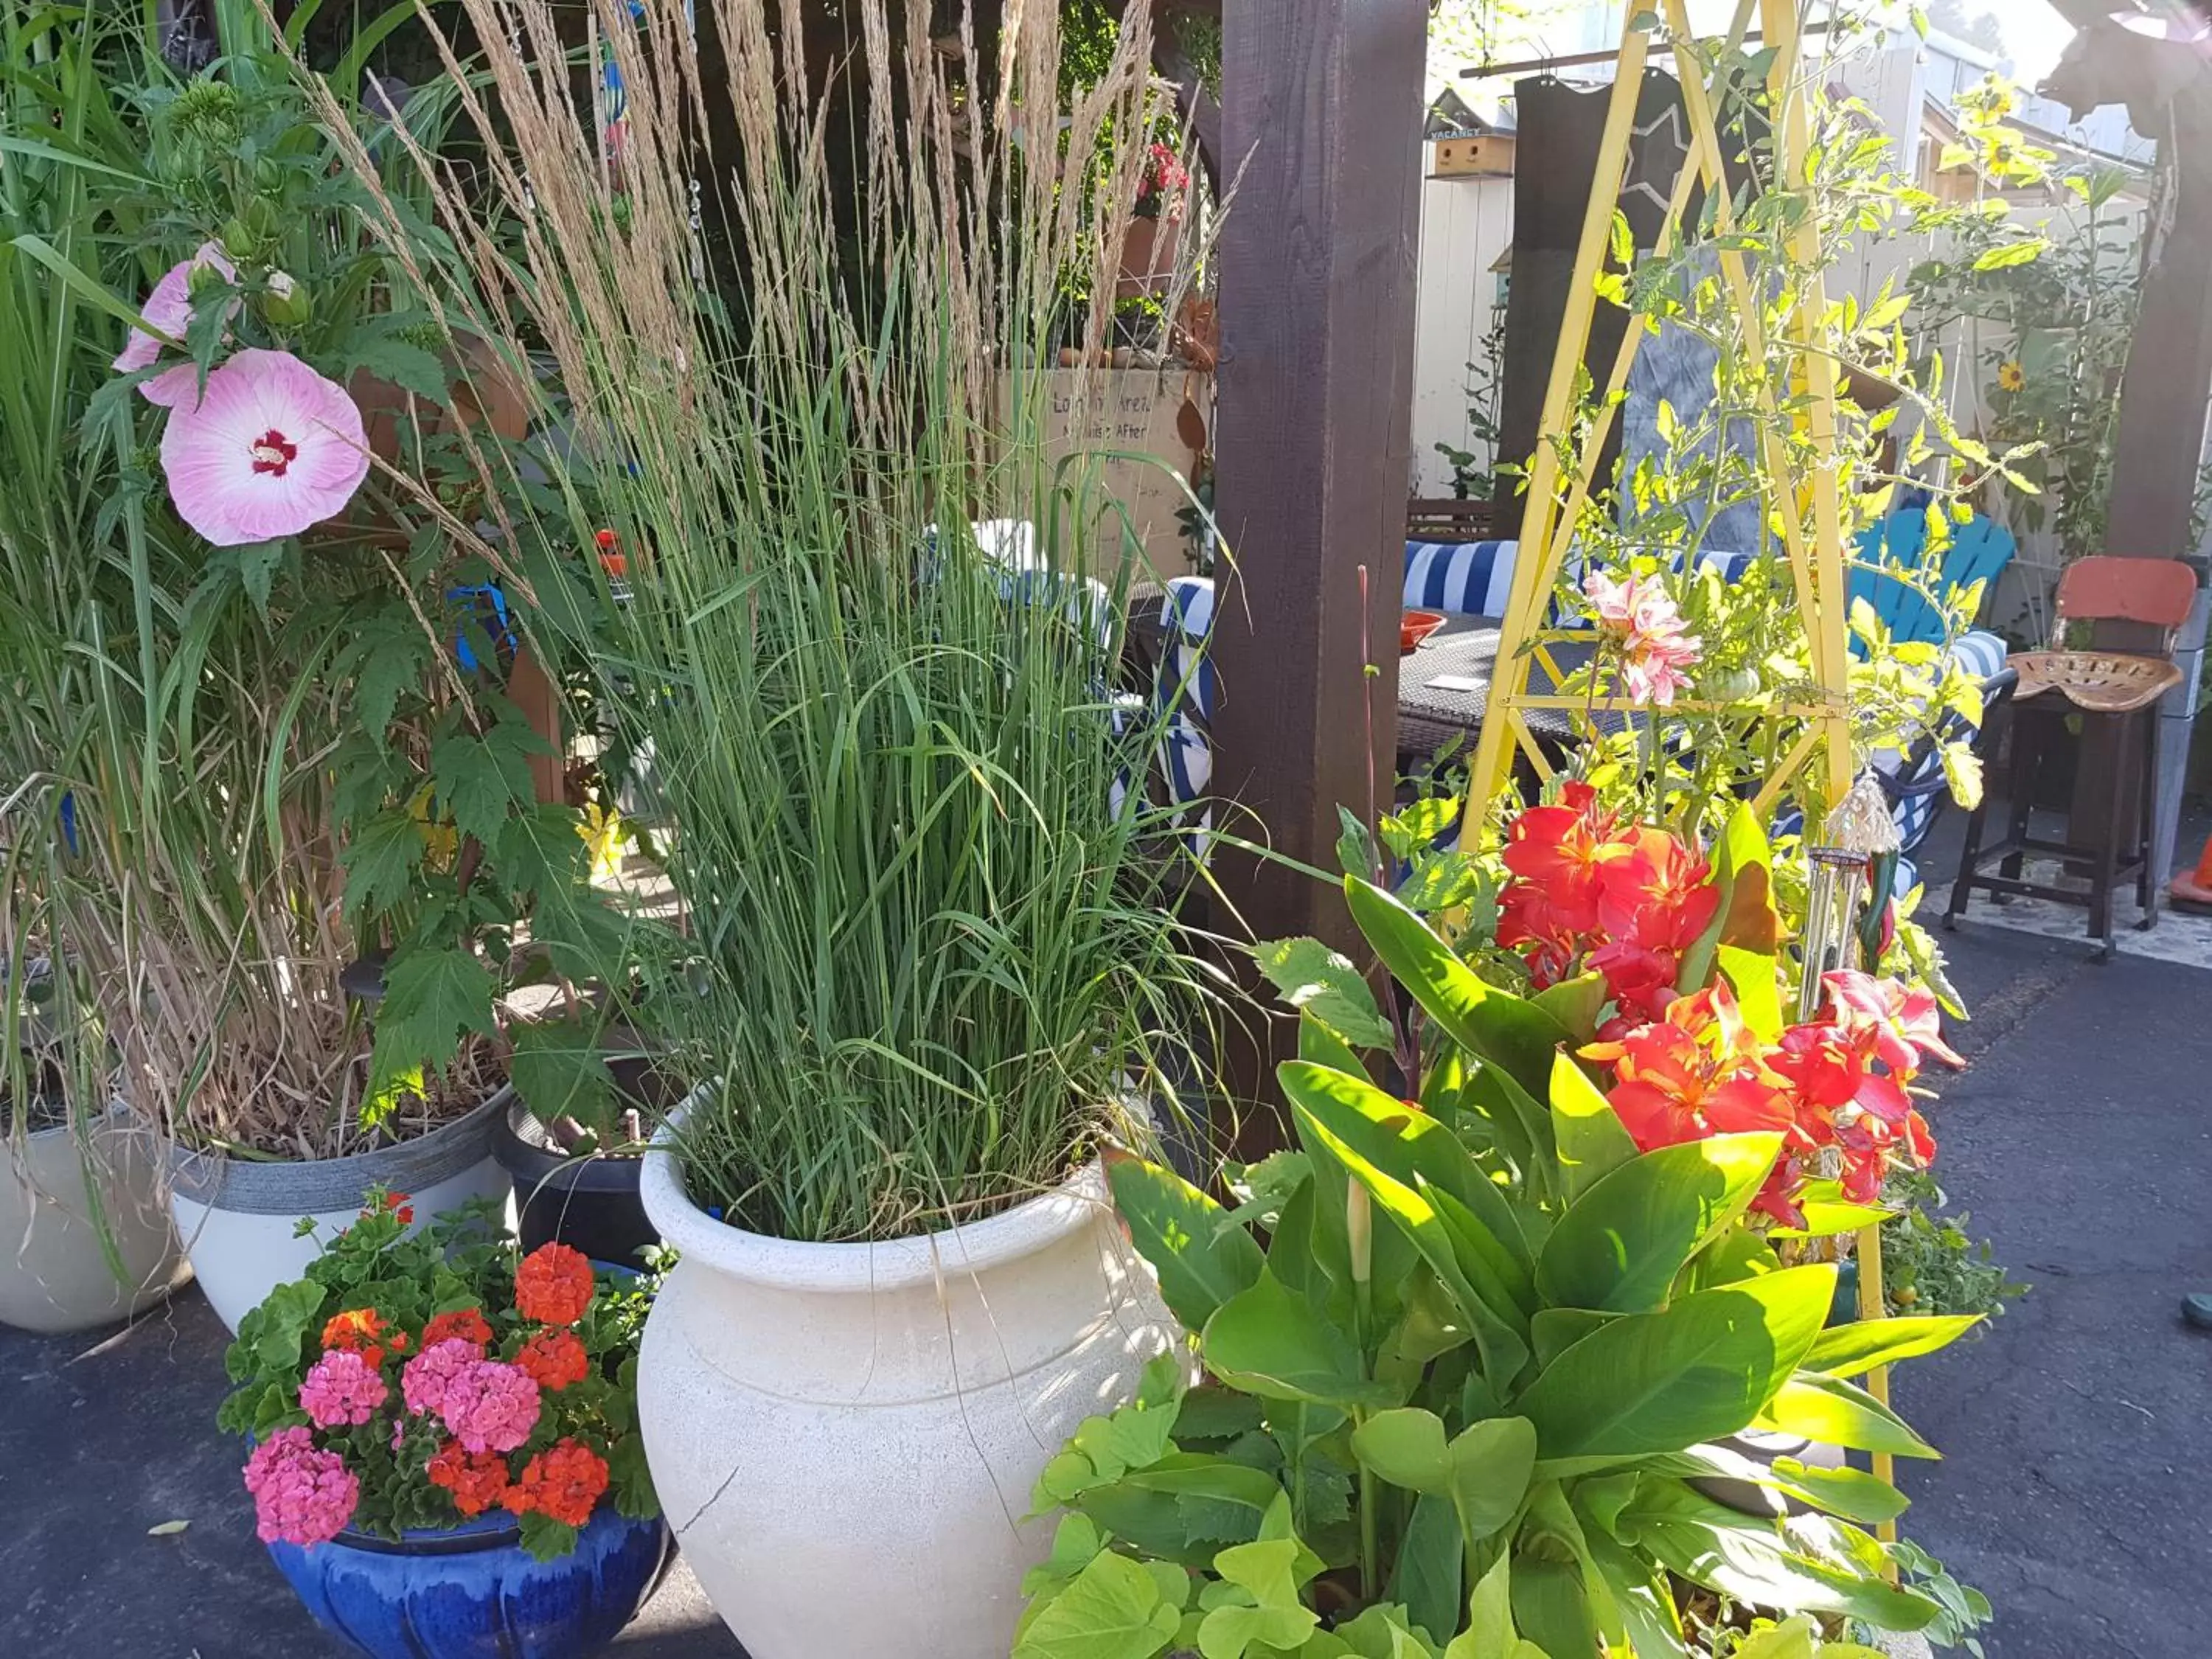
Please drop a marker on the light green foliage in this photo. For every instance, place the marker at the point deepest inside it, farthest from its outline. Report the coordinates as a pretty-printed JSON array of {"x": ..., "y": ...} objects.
[{"x": 1522, "y": 1359}]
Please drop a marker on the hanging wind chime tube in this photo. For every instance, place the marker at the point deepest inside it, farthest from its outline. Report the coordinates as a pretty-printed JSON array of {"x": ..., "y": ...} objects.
[{"x": 1849, "y": 873}]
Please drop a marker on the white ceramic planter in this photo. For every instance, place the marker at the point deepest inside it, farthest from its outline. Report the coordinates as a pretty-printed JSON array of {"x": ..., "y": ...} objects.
[
  {"x": 60, "y": 1190},
  {"x": 239, "y": 1219},
  {"x": 845, "y": 1437}
]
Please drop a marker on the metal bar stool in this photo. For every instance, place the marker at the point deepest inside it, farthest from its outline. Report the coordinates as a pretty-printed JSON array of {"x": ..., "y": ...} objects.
[{"x": 2116, "y": 692}]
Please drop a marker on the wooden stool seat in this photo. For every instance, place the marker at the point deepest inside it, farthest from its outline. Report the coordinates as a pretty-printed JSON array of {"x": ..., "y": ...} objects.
[{"x": 2097, "y": 681}]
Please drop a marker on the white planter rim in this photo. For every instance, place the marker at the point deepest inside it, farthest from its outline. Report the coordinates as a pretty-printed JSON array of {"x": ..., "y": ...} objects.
[
  {"x": 874, "y": 1267},
  {"x": 301, "y": 1186}
]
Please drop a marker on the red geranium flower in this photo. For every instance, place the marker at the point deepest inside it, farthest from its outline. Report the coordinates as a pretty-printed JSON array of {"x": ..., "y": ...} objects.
[
  {"x": 362, "y": 1331},
  {"x": 555, "y": 1359},
  {"x": 563, "y": 1482},
  {"x": 468, "y": 1324},
  {"x": 477, "y": 1480},
  {"x": 553, "y": 1286},
  {"x": 398, "y": 1205}
]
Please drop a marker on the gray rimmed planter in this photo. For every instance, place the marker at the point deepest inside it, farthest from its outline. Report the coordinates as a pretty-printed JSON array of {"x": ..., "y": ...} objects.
[
  {"x": 85, "y": 1239},
  {"x": 238, "y": 1218}
]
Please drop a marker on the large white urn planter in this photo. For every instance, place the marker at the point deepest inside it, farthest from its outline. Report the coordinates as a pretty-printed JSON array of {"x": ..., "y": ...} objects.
[
  {"x": 845, "y": 1437},
  {"x": 238, "y": 1218},
  {"x": 84, "y": 1236}
]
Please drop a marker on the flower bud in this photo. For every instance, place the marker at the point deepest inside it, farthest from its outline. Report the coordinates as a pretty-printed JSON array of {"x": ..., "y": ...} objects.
[{"x": 287, "y": 303}]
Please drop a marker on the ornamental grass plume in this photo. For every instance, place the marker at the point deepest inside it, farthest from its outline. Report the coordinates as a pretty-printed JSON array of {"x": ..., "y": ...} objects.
[{"x": 795, "y": 353}]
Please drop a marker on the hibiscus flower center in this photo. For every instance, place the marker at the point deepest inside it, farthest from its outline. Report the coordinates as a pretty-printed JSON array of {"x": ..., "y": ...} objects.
[{"x": 273, "y": 452}]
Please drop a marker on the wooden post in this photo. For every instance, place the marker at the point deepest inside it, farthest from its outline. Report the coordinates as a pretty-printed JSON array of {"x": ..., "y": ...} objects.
[{"x": 1321, "y": 135}]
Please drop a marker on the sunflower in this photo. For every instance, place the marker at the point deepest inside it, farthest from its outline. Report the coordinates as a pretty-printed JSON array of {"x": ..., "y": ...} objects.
[{"x": 2011, "y": 377}]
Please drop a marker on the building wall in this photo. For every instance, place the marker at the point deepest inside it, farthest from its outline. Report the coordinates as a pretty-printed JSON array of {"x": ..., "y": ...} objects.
[{"x": 1466, "y": 224}]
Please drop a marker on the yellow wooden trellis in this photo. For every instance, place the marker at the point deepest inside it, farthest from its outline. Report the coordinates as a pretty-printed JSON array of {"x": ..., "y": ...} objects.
[{"x": 1812, "y": 530}]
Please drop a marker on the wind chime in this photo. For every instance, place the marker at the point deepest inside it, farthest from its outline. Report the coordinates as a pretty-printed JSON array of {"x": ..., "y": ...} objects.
[{"x": 1858, "y": 848}]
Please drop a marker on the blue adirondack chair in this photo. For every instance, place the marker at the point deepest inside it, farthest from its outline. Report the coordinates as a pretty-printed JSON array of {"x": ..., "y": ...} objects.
[{"x": 1979, "y": 550}]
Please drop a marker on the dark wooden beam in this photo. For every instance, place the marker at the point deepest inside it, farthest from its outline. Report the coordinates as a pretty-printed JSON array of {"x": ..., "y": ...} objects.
[
  {"x": 2169, "y": 375},
  {"x": 1321, "y": 128}
]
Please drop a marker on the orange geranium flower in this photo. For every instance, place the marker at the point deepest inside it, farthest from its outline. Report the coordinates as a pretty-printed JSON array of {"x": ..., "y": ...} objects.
[
  {"x": 553, "y": 1286},
  {"x": 477, "y": 1480},
  {"x": 362, "y": 1331},
  {"x": 555, "y": 1359},
  {"x": 467, "y": 1323},
  {"x": 563, "y": 1483}
]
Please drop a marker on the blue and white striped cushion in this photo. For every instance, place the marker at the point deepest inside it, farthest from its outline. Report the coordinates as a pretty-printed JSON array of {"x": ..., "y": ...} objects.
[{"x": 1468, "y": 579}]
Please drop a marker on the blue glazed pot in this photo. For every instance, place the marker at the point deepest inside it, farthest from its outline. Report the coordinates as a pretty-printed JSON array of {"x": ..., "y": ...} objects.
[{"x": 472, "y": 1592}]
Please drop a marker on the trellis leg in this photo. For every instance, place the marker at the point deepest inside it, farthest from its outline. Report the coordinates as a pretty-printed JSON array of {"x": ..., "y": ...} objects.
[{"x": 1531, "y": 580}]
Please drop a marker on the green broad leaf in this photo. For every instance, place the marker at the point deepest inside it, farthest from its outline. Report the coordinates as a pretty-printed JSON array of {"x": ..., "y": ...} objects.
[
  {"x": 1233, "y": 1499},
  {"x": 477, "y": 779},
  {"x": 1490, "y": 1613},
  {"x": 1234, "y": 1631},
  {"x": 544, "y": 1538},
  {"x": 1827, "y": 1218},
  {"x": 1642, "y": 1597},
  {"x": 1414, "y": 1215},
  {"x": 1737, "y": 1254},
  {"x": 1407, "y": 1447},
  {"x": 1132, "y": 1438},
  {"x": 560, "y": 1071},
  {"x": 539, "y": 851},
  {"x": 1502, "y": 1029},
  {"x": 1268, "y": 1568},
  {"x": 1550, "y": 1606},
  {"x": 2006, "y": 255},
  {"x": 1763, "y": 1565},
  {"x": 1839, "y": 1413},
  {"x": 1490, "y": 1464},
  {"x": 1644, "y": 1384},
  {"x": 1853, "y": 1350},
  {"x": 1321, "y": 1046},
  {"x": 393, "y": 656},
  {"x": 1211, "y": 1412},
  {"x": 1519, "y": 1122},
  {"x": 1576, "y": 1004},
  {"x": 1272, "y": 1341},
  {"x": 1176, "y": 1228},
  {"x": 1112, "y": 1610},
  {"x": 1619, "y": 1248},
  {"x": 409, "y": 367},
  {"x": 1747, "y": 917},
  {"x": 1431, "y": 1561},
  {"x": 1751, "y": 976},
  {"x": 432, "y": 998},
  {"x": 1587, "y": 1132},
  {"x": 1554, "y": 1330},
  {"x": 380, "y": 861},
  {"x": 1792, "y": 1640},
  {"x": 281, "y": 1323},
  {"x": 1852, "y": 1493},
  {"x": 1385, "y": 1630},
  {"x": 1324, "y": 983}
]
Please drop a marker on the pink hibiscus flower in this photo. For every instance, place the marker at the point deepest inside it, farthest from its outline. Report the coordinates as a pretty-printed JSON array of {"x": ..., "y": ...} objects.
[
  {"x": 270, "y": 448},
  {"x": 169, "y": 309}
]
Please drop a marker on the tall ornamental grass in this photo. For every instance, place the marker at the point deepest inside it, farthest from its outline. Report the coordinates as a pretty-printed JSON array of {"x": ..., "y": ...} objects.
[{"x": 931, "y": 948}]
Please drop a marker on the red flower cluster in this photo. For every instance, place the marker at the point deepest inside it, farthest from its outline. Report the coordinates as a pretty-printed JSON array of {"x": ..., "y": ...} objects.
[
  {"x": 555, "y": 1359},
  {"x": 468, "y": 1324},
  {"x": 1837, "y": 1083},
  {"x": 553, "y": 1285},
  {"x": 1589, "y": 893},
  {"x": 477, "y": 1480},
  {"x": 563, "y": 1483}
]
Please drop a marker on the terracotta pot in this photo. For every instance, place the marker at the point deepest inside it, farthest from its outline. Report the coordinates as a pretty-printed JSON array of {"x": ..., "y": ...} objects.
[{"x": 1148, "y": 257}]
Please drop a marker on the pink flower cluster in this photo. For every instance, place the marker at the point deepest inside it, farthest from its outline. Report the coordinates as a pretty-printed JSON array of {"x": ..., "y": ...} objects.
[
  {"x": 491, "y": 1406},
  {"x": 488, "y": 1405},
  {"x": 423, "y": 1385},
  {"x": 341, "y": 1389},
  {"x": 1648, "y": 631},
  {"x": 300, "y": 1496}
]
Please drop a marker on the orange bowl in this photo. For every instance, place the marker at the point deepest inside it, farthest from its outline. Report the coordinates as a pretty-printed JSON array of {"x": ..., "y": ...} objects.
[{"x": 1414, "y": 627}]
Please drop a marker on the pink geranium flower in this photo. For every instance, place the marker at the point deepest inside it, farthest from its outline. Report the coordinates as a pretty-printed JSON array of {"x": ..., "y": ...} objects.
[
  {"x": 1655, "y": 648},
  {"x": 431, "y": 1373},
  {"x": 490, "y": 1407},
  {"x": 270, "y": 448},
  {"x": 300, "y": 1496},
  {"x": 169, "y": 309},
  {"x": 341, "y": 1389}
]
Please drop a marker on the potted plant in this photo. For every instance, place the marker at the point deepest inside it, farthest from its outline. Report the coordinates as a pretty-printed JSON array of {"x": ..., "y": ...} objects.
[
  {"x": 1470, "y": 1353},
  {"x": 925, "y": 962},
  {"x": 300, "y": 956},
  {"x": 445, "y": 1457},
  {"x": 1155, "y": 228}
]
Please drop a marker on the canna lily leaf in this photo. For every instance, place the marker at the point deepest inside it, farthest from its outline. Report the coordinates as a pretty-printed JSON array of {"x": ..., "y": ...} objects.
[
  {"x": 1837, "y": 1413},
  {"x": 1590, "y": 1139},
  {"x": 1270, "y": 1341},
  {"x": 1619, "y": 1248},
  {"x": 1176, "y": 1228},
  {"x": 1851, "y": 1350}
]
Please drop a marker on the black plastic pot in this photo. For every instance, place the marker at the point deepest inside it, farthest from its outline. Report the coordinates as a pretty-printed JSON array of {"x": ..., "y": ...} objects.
[{"x": 590, "y": 1204}]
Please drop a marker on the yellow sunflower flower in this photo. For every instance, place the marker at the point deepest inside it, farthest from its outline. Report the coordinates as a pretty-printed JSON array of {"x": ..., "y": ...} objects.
[{"x": 2012, "y": 377}]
